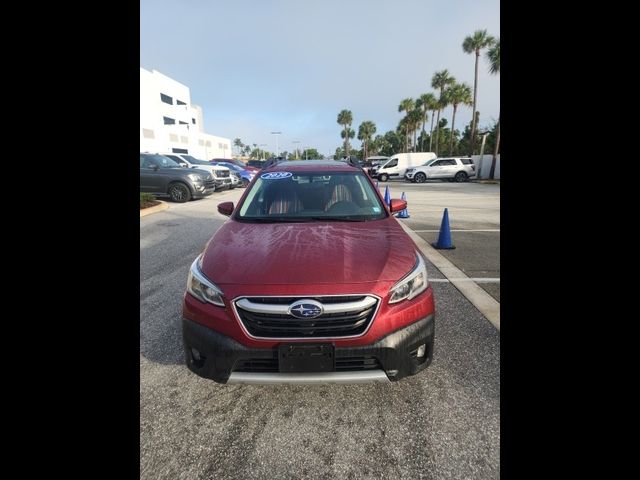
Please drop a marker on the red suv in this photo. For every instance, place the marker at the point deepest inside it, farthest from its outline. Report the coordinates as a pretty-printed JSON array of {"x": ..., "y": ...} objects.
[{"x": 311, "y": 280}]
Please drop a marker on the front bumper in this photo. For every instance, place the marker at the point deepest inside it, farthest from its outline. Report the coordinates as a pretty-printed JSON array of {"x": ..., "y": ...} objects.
[
  {"x": 217, "y": 356},
  {"x": 200, "y": 191}
]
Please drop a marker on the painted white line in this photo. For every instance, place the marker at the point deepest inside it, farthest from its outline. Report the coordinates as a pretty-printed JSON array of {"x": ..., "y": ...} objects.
[
  {"x": 477, "y": 280},
  {"x": 470, "y": 230},
  {"x": 480, "y": 299}
]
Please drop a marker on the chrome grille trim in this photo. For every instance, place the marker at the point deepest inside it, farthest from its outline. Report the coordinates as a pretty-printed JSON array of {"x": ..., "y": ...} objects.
[{"x": 275, "y": 309}]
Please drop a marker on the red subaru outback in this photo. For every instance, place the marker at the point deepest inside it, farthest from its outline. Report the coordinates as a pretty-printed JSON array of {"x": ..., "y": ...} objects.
[{"x": 311, "y": 280}]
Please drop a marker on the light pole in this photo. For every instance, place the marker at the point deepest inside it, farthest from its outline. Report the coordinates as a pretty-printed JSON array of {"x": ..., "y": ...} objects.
[
  {"x": 276, "y": 134},
  {"x": 294, "y": 142},
  {"x": 484, "y": 139},
  {"x": 262, "y": 150}
]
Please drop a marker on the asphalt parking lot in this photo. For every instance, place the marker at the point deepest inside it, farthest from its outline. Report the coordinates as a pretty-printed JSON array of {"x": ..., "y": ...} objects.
[{"x": 441, "y": 423}]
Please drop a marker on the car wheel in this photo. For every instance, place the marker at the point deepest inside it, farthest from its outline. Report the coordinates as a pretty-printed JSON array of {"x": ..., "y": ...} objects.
[
  {"x": 384, "y": 177},
  {"x": 179, "y": 192},
  {"x": 461, "y": 177},
  {"x": 420, "y": 177}
]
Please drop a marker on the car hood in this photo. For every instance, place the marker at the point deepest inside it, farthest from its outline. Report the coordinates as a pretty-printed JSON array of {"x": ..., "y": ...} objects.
[{"x": 308, "y": 253}]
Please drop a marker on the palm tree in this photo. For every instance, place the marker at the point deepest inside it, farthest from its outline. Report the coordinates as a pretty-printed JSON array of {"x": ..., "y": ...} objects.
[
  {"x": 365, "y": 131},
  {"x": 424, "y": 103},
  {"x": 406, "y": 105},
  {"x": 345, "y": 118},
  {"x": 473, "y": 44},
  {"x": 415, "y": 118},
  {"x": 457, "y": 94},
  {"x": 440, "y": 80},
  {"x": 493, "y": 55}
]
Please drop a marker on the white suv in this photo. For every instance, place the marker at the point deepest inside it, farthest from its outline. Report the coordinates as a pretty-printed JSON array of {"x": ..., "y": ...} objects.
[
  {"x": 453, "y": 169},
  {"x": 221, "y": 175}
]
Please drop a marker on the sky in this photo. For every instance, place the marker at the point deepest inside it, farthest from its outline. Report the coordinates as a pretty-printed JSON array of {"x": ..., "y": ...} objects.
[{"x": 259, "y": 66}]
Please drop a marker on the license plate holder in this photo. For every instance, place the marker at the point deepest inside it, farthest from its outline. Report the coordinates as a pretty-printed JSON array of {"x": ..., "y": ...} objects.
[{"x": 306, "y": 358}]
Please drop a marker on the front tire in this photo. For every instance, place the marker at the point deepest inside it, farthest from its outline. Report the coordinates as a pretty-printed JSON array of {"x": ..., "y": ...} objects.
[
  {"x": 461, "y": 177},
  {"x": 419, "y": 177},
  {"x": 384, "y": 177},
  {"x": 179, "y": 193}
]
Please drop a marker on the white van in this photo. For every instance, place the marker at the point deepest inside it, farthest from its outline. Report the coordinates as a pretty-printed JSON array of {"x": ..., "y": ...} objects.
[{"x": 396, "y": 166}]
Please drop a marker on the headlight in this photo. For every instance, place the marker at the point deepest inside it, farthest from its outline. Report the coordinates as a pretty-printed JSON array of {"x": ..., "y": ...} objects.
[
  {"x": 409, "y": 170},
  {"x": 414, "y": 283},
  {"x": 201, "y": 287},
  {"x": 195, "y": 177}
]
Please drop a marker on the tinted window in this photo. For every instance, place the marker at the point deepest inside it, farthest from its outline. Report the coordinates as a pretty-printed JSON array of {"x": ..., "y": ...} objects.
[
  {"x": 166, "y": 99},
  {"x": 437, "y": 163},
  {"x": 169, "y": 121},
  {"x": 148, "y": 161},
  {"x": 175, "y": 158},
  {"x": 392, "y": 163},
  {"x": 311, "y": 196},
  {"x": 179, "y": 150},
  {"x": 180, "y": 102},
  {"x": 449, "y": 162},
  {"x": 466, "y": 161}
]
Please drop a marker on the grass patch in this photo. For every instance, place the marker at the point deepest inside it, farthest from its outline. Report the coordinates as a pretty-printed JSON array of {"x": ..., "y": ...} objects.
[{"x": 147, "y": 200}]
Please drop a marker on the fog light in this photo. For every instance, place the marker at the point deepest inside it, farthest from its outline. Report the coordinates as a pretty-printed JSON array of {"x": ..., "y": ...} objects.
[
  {"x": 421, "y": 350},
  {"x": 195, "y": 354}
]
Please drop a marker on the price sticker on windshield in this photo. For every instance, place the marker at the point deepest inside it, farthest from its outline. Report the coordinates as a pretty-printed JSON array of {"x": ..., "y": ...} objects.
[{"x": 275, "y": 175}]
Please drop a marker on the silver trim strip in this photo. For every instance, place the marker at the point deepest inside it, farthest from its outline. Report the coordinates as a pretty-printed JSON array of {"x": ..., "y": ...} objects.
[
  {"x": 363, "y": 304},
  {"x": 308, "y": 339},
  {"x": 366, "y": 376}
]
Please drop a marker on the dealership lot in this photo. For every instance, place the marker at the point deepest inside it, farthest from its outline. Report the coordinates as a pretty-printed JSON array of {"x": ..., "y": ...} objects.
[{"x": 442, "y": 423}]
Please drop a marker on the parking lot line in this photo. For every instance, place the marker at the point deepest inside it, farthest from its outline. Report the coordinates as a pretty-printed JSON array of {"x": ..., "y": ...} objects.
[
  {"x": 479, "y": 298},
  {"x": 477, "y": 280}
]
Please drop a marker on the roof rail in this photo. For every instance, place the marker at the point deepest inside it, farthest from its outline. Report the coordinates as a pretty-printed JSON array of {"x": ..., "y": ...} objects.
[{"x": 350, "y": 160}]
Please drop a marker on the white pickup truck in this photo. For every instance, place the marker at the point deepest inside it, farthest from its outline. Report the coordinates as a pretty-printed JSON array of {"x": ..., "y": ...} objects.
[{"x": 221, "y": 175}]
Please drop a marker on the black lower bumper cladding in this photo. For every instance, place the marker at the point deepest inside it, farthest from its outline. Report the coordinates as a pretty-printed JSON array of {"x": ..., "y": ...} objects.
[{"x": 212, "y": 355}]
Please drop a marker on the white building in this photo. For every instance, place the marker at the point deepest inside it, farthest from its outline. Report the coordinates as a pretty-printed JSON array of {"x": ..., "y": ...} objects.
[{"x": 170, "y": 123}]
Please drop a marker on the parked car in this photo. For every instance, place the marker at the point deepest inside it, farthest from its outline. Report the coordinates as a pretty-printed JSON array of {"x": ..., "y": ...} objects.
[
  {"x": 221, "y": 175},
  {"x": 256, "y": 163},
  {"x": 237, "y": 162},
  {"x": 165, "y": 177},
  {"x": 453, "y": 169},
  {"x": 397, "y": 164},
  {"x": 371, "y": 162},
  {"x": 244, "y": 175},
  {"x": 311, "y": 280}
]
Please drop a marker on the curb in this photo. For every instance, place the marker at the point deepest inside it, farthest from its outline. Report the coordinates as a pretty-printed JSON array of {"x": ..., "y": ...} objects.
[
  {"x": 479, "y": 298},
  {"x": 155, "y": 209}
]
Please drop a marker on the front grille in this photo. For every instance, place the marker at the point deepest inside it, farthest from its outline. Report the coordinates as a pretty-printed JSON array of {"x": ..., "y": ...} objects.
[
  {"x": 344, "y": 364},
  {"x": 209, "y": 183},
  {"x": 283, "y": 325}
]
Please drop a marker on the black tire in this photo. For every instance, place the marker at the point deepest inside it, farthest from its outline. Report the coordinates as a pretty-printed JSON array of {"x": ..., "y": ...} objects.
[
  {"x": 179, "y": 192},
  {"x": 419, "y": 177},
  {"x": 461, "y": 177},
  {"x": 384, "y": 177},
  {"x": 451, "y": 180}
]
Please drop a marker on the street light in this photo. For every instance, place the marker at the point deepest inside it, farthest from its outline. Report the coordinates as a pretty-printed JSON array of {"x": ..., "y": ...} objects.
[
  {"x": 276, "y": 134},
  {"x": 294, "y": 142}
]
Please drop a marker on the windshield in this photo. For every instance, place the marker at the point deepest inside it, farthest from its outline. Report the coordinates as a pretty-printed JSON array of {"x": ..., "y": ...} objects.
[
  {"x": 311, "y": 196},
  {"x": 148, "y": 161},
  {"x": 231, "y": 166},
  {"x": 429, "y": 162},
  {"x": 194, "y": 160}
]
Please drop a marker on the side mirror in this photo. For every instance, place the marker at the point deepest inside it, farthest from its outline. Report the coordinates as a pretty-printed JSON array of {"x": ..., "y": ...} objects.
[
  {"x": 397, "y": 205},
  {"x": 155, "y": 168},
  {"x": 226, "y": 208}
]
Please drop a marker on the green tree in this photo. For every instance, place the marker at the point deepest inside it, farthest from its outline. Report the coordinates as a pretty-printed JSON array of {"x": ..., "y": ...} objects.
[
  {"x": 440, "y": 81},
  {"x": 311, "y": 154},
  {"x": 493, "y": 55},
  {"x": 414, "y": 118},
  {"x": 345, "y": 118},
  {"x": 474, "y": 44},
  {"x": 457, "y": 94},
  {"x": 406, "y": 105},
  {"x": 366, "y": 130}
]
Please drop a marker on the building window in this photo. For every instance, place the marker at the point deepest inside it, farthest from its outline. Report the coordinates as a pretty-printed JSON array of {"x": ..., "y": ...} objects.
[
  {"x": 201, "y": 142},
  {"x": 179, "y": 150},
  {"x": 147, "y": 133},
  {"x": 166, "y": 99},
  {"x": 208, "y": 143},
  {"x": 180, "y": 102},
  {"x": 173, "y": 137},
  {"x": 193, "y": 120},
  {"x": 184, "y": 139},
  {"x": 169, "y": 121},
  {"x": 183, "y": 123},
  {"x": 220, "y": 145}
]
